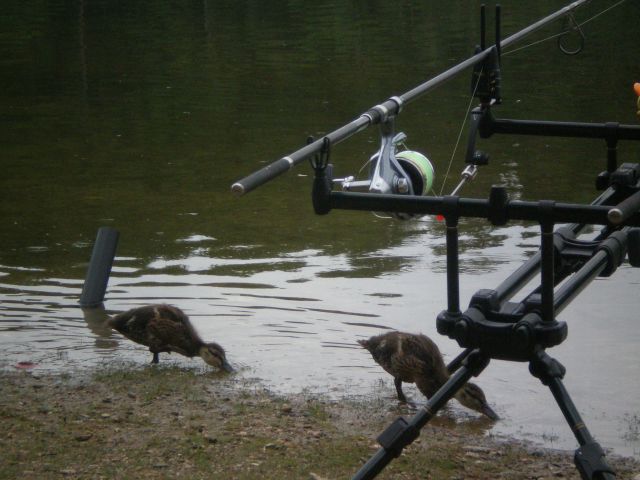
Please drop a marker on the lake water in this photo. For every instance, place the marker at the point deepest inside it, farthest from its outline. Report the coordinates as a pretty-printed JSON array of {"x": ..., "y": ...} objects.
[{"x": 140, "y": 116}]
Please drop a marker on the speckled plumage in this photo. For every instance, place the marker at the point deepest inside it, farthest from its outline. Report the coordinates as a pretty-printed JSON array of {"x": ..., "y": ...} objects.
[
  {"x": 415, "y": 358},
  {"x": 410, "y": 359},
  {"x": 165, "y": 328}
]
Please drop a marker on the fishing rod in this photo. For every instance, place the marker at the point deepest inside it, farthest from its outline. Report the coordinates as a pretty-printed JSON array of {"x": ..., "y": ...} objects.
[{"x": 394, "y": 105}]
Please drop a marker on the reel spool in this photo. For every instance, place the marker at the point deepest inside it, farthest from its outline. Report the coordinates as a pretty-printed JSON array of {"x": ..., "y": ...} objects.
[
  {"x": 394, "y": 172},
  {"x": 419, "y": 172},
  {"x": 419, "y": 169}
]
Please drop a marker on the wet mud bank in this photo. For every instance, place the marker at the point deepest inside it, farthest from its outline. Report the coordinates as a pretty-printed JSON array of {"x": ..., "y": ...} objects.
[{"x": 170, "y": 422}]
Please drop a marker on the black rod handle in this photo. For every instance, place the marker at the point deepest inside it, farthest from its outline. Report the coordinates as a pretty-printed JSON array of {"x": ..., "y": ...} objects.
[
  {"x": 624, "y": 209},
  {"x": 262, "y": 176},
  {"x": 271, "y": 171}
]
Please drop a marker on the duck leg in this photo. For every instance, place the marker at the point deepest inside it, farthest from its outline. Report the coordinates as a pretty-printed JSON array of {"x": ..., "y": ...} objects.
[{"x": 398, "y": 383}]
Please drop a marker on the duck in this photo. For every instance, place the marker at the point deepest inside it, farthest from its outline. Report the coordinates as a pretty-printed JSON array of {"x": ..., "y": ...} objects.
[
  {"x": 166, "y": 328},
  {"x": 415, "y": 358}
]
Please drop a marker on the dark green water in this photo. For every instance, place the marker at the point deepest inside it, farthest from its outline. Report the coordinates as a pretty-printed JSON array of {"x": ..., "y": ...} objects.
[{"x": 140, "y": 115}]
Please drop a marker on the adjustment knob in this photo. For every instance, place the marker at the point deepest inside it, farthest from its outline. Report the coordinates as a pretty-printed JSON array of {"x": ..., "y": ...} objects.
[{"x": 461, "y": 331}]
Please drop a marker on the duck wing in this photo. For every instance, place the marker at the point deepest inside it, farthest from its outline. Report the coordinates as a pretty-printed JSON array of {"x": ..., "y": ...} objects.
[
  {"x": 133, "y": 324},
  {"x": 170, "y": 329},
  {"x": 419, "y": 360}
]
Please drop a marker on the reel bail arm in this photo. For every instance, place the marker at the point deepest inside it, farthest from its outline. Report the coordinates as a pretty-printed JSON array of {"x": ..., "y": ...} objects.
[{"x": 388, "y": 175}]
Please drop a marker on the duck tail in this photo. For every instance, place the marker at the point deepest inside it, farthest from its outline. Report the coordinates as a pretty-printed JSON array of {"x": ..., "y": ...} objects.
[{"x": 364, "y": 343}]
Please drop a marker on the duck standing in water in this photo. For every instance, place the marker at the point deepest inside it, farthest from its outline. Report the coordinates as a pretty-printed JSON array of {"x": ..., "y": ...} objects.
[
  {"x": 415, "y": 358},
  {"x": 164, "y": 328}
]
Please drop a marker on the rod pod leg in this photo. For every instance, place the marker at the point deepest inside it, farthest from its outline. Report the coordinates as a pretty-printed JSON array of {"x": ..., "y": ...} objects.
[
  {"x": 589, "y": 458},
  {"x": 402, "y": 433}
]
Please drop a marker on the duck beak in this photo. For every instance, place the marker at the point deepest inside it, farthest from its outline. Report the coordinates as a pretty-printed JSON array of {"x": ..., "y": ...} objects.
[
  {"x": 488, "y": 411},
  {"x": 226, "y": 366}
]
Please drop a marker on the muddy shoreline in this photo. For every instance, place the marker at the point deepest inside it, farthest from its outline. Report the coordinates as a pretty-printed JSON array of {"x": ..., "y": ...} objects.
[{"x": 170, "y": 422}]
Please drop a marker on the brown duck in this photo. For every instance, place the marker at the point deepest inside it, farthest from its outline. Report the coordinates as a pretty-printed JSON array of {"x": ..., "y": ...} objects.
[
  {"x": 165, "y": 328},
  {"x": 415, "y": 358}
]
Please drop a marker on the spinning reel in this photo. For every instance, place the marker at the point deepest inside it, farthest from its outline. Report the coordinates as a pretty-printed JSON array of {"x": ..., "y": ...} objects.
[{"x": 394, "y": 169}]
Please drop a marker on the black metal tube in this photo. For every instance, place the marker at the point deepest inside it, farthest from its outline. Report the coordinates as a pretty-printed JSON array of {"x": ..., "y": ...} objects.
[
  {"x": 570, "y": 411},
  {"x": 561, "y": 129},
  {"x": 383, "y": 456},
  {"x": 624, "y": 209},
  {"x": 547, "y": 275},
  {"x": 582, "y": 435},
  {"x": 471, "y": 207},
  {"x": 453, "y": 280},
  {"x": 579, "y": 280},
  {"x": 455, "y": 364},
  {"x": 518, "y": 279},
  {"x": 374, "y": 465},
  {"x": 390, "y": 107}
]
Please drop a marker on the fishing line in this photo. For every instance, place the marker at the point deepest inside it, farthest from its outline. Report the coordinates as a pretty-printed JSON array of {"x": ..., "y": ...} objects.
[
  {"x": 565, "y": 32},
  {"x": 464, "y": 122}
]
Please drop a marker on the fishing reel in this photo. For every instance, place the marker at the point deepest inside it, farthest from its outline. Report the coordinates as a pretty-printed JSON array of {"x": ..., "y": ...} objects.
[{"x": 394, "y": 169}]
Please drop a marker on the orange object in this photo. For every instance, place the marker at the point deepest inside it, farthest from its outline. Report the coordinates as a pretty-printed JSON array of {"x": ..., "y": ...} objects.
[
  {"x": 25, "y": 365},
  {"x": 636, "y": 88}
]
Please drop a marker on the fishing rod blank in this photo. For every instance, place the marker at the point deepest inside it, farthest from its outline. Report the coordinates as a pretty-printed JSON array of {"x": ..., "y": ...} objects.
[{"x": 390, "y": 107}]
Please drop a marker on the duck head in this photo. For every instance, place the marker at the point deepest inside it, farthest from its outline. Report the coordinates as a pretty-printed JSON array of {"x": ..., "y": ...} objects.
[
  {"x": 472, "y": 396},
  {"x": 378, "y": 346},
  {"x": 214, "y": 355}
]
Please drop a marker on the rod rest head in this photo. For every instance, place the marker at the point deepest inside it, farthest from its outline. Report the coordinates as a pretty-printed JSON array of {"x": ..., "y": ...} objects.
[
  {"x": 570, "y": 253},
  {"x": 486, "y": 78},
  {"x": 321, "y": 190},
  {"x": 516, "y": 340},
  {"x": 627, "y": 175}
]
